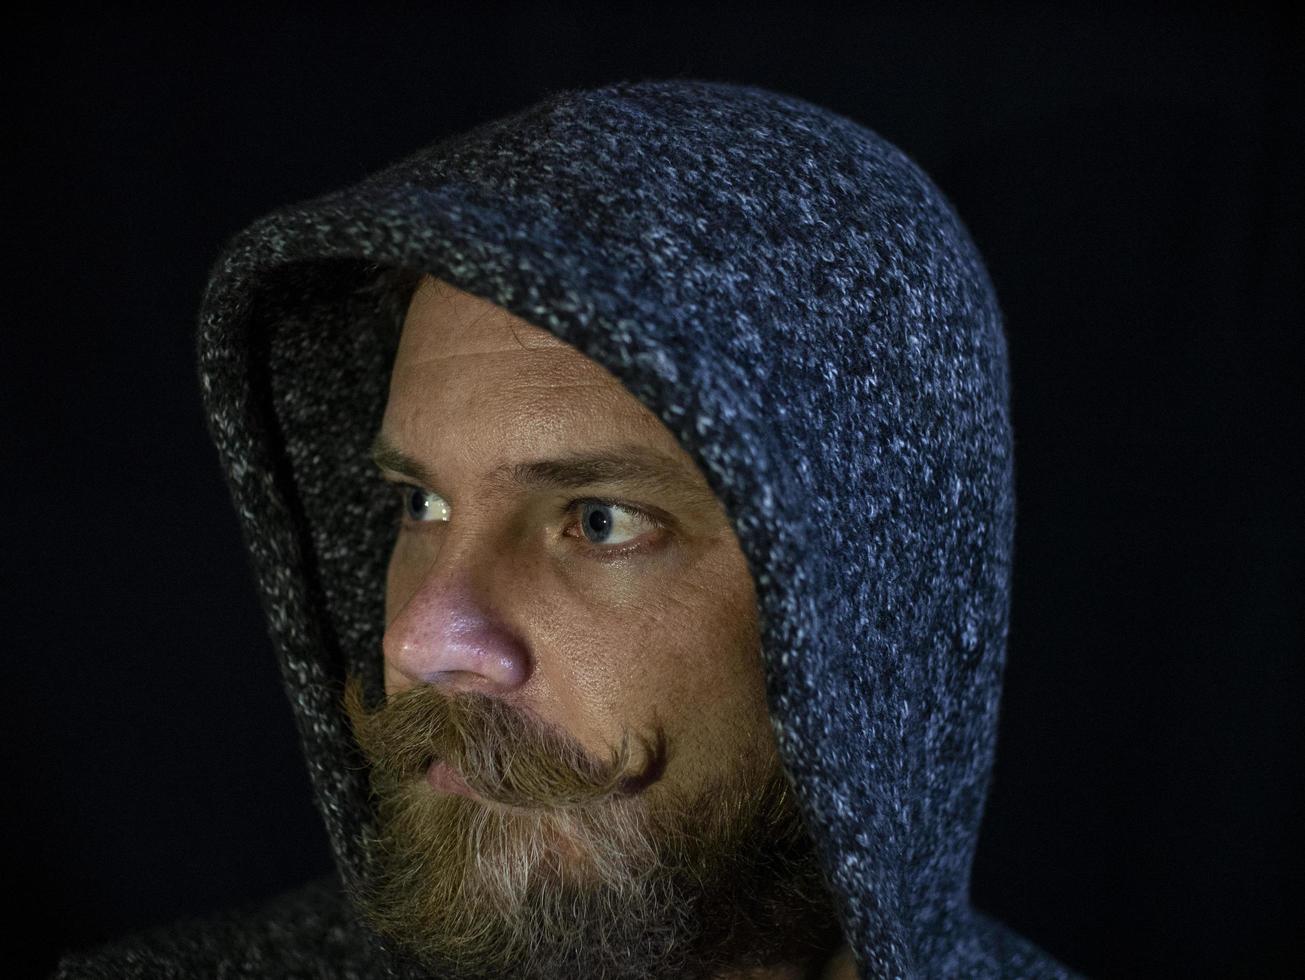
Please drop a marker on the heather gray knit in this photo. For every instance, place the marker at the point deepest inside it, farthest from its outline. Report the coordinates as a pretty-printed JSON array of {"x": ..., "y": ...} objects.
[{"x": 803, "y": 309}]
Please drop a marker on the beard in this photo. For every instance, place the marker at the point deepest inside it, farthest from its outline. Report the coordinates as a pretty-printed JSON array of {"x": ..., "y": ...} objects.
[{"x": 565, "y": 866}]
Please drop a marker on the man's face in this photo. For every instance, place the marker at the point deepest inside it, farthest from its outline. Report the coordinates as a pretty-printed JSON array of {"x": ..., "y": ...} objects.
[{"x": 539, "y": 620}]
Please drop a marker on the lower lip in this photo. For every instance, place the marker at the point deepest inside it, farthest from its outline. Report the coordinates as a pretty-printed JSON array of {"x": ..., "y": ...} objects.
[{"x": 444, "y": 779}]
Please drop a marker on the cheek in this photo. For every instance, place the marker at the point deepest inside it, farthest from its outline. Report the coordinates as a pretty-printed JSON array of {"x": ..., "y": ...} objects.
[
  {"x": 393, "y": 589},
  {"x": 716, "y": 667},
  {"x": 393, "y": 603},
  {"x": 403, "y": 576},
  {"x": 699, "y": 665},
  {"x": 612, "y": 667}
]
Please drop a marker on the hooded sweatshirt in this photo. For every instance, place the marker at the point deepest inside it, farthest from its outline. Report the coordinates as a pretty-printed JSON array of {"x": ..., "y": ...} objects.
[{"x": 804, "y": 310}]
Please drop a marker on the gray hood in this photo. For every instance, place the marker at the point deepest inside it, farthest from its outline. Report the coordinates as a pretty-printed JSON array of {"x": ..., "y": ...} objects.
[{"x": 803, "y": 309}]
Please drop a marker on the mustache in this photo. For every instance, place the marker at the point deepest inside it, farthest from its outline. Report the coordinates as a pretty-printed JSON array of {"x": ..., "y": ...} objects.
[{"x": 507, "y": 755}]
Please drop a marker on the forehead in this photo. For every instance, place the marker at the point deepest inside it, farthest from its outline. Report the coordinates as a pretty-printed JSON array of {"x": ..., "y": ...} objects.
[
  {"x": 467, "y": 369},
  {"x": 444, "y": 321}
]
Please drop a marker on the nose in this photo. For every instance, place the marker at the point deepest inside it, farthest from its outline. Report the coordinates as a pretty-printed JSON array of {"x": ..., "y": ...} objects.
[{"x": 446, "y": 637}]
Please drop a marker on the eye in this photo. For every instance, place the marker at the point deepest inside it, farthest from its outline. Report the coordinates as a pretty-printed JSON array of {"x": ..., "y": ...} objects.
[
  {"x": 422, "y": 506},
  {"x": 610, "y": 524},
  {"x": 605, "y": 524}
]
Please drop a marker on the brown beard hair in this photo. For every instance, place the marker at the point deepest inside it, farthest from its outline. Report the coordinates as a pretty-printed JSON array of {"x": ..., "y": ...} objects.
[{"x": 566, "y": 868}]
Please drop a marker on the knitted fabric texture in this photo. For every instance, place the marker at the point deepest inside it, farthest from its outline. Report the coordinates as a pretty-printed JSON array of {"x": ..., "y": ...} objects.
[{"x": 804, "y": 310}]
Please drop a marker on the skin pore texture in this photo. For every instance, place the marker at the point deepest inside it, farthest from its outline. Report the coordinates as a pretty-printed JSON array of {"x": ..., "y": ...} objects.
[{"x": 583, "y": 659}]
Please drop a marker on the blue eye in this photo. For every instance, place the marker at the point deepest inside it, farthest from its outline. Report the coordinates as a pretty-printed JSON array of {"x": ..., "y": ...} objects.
[
  {"x": 605, "y": 524},
  {"x": 421, "y": 505},
  {"x": 600, "y": 521}
]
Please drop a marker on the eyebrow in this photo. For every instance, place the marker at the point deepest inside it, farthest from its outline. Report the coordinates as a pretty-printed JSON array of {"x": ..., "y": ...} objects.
[{"x": 632, "y": 465}]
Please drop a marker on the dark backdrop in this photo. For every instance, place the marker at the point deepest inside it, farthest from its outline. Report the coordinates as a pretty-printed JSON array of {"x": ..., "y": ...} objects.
[{"x": 1134, "y": 180}]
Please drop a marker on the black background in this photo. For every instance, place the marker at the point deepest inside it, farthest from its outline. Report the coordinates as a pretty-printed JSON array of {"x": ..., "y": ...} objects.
[{"x": 1134, "y": 182}]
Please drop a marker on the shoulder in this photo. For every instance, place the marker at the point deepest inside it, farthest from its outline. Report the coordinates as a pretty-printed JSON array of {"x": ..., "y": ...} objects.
[{"x": 307, "y": 932}]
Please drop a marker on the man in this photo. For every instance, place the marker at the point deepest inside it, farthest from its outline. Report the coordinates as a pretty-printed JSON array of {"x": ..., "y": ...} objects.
[
  {"x": 529, "y": 626},
  {"x": 629, "y": 484}
]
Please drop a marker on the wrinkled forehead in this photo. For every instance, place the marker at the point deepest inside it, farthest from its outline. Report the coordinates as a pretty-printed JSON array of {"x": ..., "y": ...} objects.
[
  {"x": 462, "y": 358},
  {"x": 471, "y": 378},
  {"x": 444, "y": 321}
]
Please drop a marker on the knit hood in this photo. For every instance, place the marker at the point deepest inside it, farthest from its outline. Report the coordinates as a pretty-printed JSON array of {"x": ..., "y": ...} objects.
[{"x": 803, "y": 309}]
